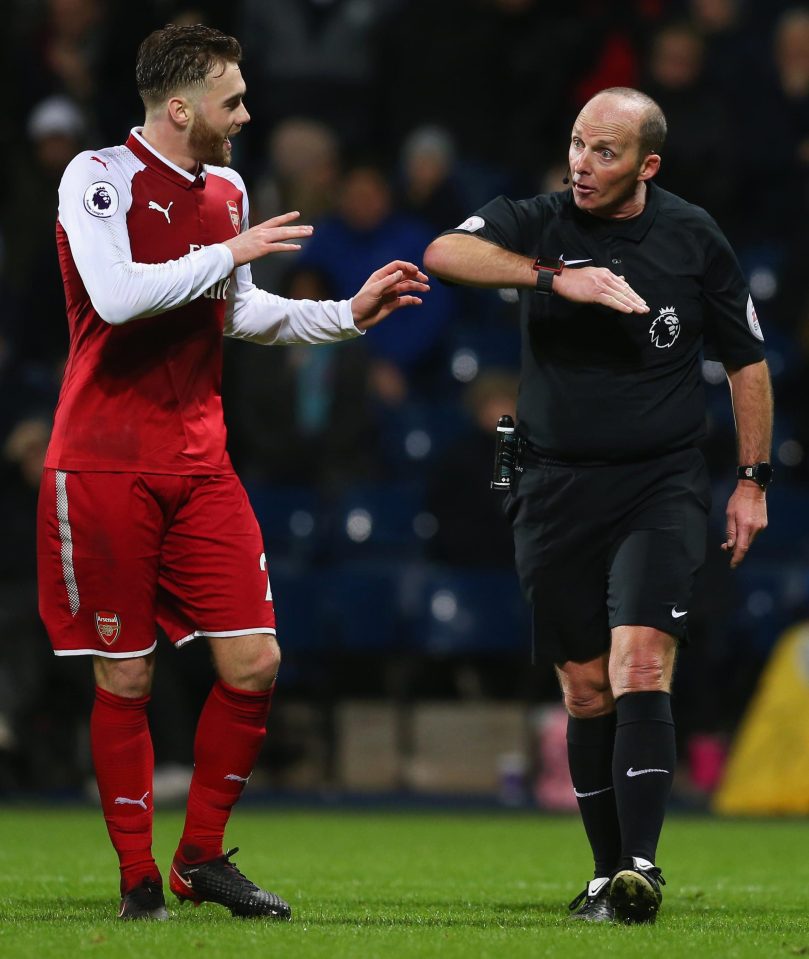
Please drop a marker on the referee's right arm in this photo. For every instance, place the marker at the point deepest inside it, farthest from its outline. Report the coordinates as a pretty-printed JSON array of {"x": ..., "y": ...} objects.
[
  {"x": 460, "y": 258},
  {"x": 471, "y": 261}
]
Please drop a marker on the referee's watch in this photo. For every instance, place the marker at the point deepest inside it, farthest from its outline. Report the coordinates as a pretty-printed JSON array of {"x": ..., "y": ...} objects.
[
  {"x": 546, "y": 269},
  {"x": 760, "y": 473}
]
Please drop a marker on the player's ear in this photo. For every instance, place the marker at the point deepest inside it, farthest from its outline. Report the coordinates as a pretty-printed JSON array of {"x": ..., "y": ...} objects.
[
  {"x": 180, "y": 110},
  {"x": 649, "y": 166}
]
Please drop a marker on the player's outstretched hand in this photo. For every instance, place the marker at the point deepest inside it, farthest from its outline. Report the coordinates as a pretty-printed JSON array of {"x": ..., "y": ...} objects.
[
  {"x": 385, "y": 291},
  {"x": 271, "y": 236},
  {"x": 746, "y": 517},
  {"x": 594, "y": 284}
]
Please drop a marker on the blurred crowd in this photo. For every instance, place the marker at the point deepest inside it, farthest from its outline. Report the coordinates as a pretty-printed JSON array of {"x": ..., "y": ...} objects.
[{"x": 385, "y": 122}]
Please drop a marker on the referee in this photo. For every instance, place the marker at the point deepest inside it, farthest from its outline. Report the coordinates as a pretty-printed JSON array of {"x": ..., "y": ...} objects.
[{"x": 623, "y": 288}]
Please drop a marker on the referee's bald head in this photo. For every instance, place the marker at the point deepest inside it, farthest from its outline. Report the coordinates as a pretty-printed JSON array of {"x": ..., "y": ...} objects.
[{"x": 652, "y": 127}]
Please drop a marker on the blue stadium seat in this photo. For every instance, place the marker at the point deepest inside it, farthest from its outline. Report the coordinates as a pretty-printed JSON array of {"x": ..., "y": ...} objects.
[
  {"x": 457, "y": 612},
  {"x": 786, "y": 537},
  {"x": 296, "y": 590},
  {"x": 416, "y": 434},
  {"x": 485, "y": 346},
  {"x": 771, "y": 596},
  {"x": 361, "y": 609},
  {"x": 290, "y": 518},
  {"x": 379, "y": 521}
]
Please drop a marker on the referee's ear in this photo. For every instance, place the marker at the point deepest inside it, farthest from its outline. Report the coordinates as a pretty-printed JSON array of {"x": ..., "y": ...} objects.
[{"x": 649, "y": 166}]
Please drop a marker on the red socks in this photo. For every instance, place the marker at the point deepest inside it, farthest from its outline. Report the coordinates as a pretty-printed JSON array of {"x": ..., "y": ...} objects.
[
  {"x": 230, "y": 733},
  {"x": 124, "y": 764}
]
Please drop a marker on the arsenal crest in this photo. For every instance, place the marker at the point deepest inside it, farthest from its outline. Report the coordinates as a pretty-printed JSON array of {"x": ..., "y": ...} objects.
[
  {"x": 108, "y": 626},
  {"x": 233, "y": 210}
]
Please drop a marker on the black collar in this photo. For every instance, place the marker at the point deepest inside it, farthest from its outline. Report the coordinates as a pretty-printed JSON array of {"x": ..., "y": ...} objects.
[{"x": 634, "y": 228}]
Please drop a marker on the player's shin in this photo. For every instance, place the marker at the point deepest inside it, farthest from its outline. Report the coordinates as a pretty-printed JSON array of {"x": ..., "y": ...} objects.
[
  {"x": 124, "y": 764},
  {"x": 230, "y": 732}
]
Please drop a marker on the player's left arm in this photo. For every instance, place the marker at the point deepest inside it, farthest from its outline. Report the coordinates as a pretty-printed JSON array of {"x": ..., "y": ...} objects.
[
  {"x": 751, "y": 393},
  {"x": 386, "y": 290},
  {"x": 265, "y": 318}
]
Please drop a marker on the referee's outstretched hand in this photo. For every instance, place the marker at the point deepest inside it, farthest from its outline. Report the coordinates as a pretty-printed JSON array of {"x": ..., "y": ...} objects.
[{"x": 595, "y": 284}]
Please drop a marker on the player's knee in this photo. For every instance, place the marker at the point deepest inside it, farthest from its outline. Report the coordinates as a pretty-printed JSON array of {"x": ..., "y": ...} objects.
[
  {"x": 128, "y": 678},
  {"x": 263, "y": 667}
]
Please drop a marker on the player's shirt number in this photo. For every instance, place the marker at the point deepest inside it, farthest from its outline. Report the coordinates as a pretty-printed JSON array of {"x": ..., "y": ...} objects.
[{"x": 263, "y": 567}]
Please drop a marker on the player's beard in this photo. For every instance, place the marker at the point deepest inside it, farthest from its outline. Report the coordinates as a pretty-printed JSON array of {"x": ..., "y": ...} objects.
[{"x": 207, "y": 144}]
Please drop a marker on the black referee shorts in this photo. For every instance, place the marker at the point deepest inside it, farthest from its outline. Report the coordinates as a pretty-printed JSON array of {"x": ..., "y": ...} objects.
[{"x": 605, "y": 546}]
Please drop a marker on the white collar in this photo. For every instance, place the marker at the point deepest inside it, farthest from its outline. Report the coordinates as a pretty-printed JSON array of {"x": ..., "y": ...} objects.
[{"x": 137, "y": 133}]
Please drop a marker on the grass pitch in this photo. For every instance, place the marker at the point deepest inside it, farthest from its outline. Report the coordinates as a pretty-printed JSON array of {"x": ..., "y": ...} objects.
[{"x": 407, "y": 884}]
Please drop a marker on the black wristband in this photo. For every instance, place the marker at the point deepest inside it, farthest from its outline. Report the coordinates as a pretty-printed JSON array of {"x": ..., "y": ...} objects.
[
  {"x": 546, "y": 270},
  {"x": 760, "y": 473}
]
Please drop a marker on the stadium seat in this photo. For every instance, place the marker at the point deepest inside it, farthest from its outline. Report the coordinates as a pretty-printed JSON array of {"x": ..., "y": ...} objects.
[
  {"x": 786, "y": 537},
  {"x": 414, "y": 435},
  {"x": 290, "y": 517},
  {"x": 296, "y": 590},
  {"x": 457, "y": 612},
  {"x": 379, "y": 521},
  {"x": 771, "y": 596},
  {"x": 361, "y": 607}
]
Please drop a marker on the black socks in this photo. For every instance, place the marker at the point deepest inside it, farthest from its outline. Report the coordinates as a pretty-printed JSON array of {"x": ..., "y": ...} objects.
[
  {"x": 589, "y": 752},
  {"x": 622, "y": 767},
  {"x": 642, "y": 769}
]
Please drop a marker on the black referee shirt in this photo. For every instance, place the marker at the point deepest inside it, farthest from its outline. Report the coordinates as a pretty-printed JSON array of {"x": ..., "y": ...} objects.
[{"x": 602, "y": 386}]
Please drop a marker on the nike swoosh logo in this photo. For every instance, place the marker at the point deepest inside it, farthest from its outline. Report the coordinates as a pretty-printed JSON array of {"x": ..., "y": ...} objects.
[
  {"x": 595, "y": 792},
  {"x": 183, "y": 880},
  {"x": 575, "y": 262},
  {"x": 676, "y": 614},
  {"x": 642, "y": 772}
]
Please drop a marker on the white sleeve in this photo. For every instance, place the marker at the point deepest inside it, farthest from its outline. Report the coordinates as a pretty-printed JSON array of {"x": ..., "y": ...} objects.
[
  {"x": 92, "y": 210},
  {"x": 262, "y": 317},
  {"x": 254, "y": 314}
]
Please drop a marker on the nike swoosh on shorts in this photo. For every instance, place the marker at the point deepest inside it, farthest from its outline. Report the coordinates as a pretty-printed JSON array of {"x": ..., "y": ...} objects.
[{"x": 642, "y": 772}]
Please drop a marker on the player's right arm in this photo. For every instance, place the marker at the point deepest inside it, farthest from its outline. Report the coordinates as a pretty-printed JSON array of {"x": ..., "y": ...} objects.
[{"x": 271, "y": 236}]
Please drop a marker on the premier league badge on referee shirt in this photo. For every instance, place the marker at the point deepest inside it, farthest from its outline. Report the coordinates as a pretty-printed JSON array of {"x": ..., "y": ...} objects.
[
  {"x": 752, "y": 320},
  {"x": 108, "y": 626},
  {"x": 665, "y": 328}
]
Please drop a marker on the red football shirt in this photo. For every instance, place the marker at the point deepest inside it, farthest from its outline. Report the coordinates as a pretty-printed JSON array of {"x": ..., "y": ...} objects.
[{"x": 150, "y": 289}]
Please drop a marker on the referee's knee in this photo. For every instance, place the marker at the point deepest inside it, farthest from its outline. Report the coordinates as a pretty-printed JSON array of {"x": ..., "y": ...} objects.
[
  {"x": 589, "y": 704},
  {"x": 641, "y": 676}
]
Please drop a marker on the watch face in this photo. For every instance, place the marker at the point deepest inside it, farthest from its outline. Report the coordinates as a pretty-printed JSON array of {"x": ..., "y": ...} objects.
[{"x": 762, "y": 473}]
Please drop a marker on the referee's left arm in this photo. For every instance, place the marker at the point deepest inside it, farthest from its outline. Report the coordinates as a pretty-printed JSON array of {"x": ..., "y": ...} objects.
[{"x": 751, "y": 392}]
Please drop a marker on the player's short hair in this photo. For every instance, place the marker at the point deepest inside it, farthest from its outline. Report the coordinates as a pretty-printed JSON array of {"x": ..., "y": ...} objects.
[
  {"x": 178, "y": 57},
  {"x": 653, "y": 126}
]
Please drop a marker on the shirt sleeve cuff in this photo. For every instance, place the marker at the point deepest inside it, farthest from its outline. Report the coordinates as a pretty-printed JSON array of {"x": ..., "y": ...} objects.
[
  {"x": 347, "y": 318},
  {"x": 226, "y": 257}
]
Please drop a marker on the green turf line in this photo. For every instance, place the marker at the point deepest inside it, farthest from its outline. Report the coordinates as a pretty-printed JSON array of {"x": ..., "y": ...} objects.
[{"x": 401, "y": 885}]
